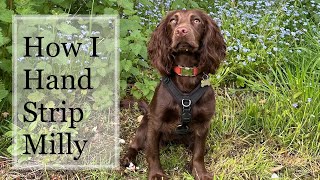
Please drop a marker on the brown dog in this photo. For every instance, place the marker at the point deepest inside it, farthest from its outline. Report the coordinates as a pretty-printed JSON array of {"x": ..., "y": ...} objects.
[{"x": 185, "y": 47}]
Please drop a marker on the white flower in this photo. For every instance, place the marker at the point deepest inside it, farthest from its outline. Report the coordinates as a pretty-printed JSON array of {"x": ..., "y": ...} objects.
[
  {"x": 122, "y": 141},
  {"x": 274, "y": 176}
]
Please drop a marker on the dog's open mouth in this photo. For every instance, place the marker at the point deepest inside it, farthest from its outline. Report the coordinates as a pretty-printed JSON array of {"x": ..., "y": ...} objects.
[{"x": 185, "y": 47}]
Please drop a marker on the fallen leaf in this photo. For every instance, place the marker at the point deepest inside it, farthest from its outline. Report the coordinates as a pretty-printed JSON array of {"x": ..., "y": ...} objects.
[
  {"x": 5, "y": 114},
  {"x": 139, "y": 119},
  {"x": 262, "y": 101},
  {"x": 276, "y": 169}
]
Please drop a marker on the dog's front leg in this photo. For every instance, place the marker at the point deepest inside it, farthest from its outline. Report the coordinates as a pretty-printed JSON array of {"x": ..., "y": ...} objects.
[
  {"x": 152, "y": 151},
  {"x": 198, "y": 168}
]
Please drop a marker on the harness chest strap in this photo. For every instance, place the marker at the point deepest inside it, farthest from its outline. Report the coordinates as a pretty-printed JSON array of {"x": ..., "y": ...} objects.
[{"x": 185, "y": 100}]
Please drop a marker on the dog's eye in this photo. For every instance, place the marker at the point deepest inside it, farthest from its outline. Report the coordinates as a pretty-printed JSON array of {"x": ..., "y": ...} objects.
[
  {"x": 173, "y": 21},
  {"x": 197, "y": 21}
]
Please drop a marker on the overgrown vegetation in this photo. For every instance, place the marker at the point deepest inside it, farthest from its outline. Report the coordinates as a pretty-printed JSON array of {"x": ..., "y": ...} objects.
[{"x": 268, "y": 103}]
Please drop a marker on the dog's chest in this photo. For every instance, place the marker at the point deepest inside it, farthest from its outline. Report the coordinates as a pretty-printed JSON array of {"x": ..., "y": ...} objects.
[{"x": 171, "y": 118}]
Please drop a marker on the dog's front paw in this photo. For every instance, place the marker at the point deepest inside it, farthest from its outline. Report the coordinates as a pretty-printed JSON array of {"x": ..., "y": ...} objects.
[
  {"x": 125, "y": 161},
  {"x": 157, "y": 176},
  {"x": 129, "y": 157}
]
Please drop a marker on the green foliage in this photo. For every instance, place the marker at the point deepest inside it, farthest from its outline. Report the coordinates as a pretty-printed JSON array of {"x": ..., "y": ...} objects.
[
  {"x": 271, "y": 73},
  {"x": 5, "y": 55},
  {"x": 135, "y": 66},
  {"x": 3, "y": 91},
  {"x": 290, "y": 110}
]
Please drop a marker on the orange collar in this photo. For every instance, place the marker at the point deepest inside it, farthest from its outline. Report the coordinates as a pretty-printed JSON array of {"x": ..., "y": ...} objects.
[{"x": 186, "y": 71}]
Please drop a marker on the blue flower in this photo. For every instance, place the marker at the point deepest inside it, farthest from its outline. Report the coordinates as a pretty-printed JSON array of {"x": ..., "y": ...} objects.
[
  {"x": 83, "y": 27},
  {"x": 21, "y": 59},
  {"x": 275, "y": 49},
  {"x": 95, "y": 32},
  {"x": 245, "y": 50}
]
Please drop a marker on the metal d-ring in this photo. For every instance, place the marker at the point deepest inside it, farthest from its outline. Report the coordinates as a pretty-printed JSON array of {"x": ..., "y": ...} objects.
[
  {"x": 186, "y": 102},
  {"x": 205, "y": 76},
  {"x": 180, "y": 126}
]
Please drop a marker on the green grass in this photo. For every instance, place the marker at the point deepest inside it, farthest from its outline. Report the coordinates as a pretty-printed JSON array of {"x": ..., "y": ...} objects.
[
  {"x": 4, "y": 141},
  {"x": 292, "y": 106},
  {"x": 233, "y": 152}
]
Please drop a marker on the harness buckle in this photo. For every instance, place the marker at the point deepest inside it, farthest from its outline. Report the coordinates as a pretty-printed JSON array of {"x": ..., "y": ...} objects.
[
  {"x": 186, "y": 102},
  {"x": 186, "y": 71},
  {"x": 182, "y": 129}
]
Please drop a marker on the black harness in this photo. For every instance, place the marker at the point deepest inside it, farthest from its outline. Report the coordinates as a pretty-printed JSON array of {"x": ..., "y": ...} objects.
[{"x": 186, "y": 101}]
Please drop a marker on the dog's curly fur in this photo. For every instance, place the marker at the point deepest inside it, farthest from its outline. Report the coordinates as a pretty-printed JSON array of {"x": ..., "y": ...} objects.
[{"x": 187, "y": 38}]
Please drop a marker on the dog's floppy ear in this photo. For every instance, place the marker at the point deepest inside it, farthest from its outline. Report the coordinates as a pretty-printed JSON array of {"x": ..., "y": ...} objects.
[
  {"x": 213, "y": 47},
  {"x": 159, "y": 47}
]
